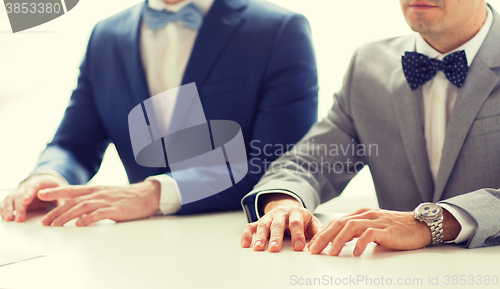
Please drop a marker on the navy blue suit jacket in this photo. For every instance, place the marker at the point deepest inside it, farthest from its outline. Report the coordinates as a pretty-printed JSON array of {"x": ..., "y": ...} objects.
[{"x": 253, "y": 63}]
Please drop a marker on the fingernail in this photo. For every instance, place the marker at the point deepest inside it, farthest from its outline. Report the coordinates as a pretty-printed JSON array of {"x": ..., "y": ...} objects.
[
  {"x": 356, "y": 252},
  {"x": 298, "y": 245},
  {"x": 244, "y": 243},
  {"x": 79, "y": 222},
  {"x": 42, "y": 193},
  {"x": 313, "y": 248},
  {"x": 257, "y": 244},
  {"x": 56, "y": 222},
  {"x": 273, "y": 244}
]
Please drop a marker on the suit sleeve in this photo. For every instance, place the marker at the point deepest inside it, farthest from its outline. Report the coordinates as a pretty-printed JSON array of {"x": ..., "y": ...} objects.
[
  {"x": 482, "y": 206},
  {"x": 78, "y": 146},
  {"x": 287, "y": 109},
  {"x": 321, "y": 165}
]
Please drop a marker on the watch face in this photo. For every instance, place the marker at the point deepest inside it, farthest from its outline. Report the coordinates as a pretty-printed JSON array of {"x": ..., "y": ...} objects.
[{"x": 429, "y": 211}]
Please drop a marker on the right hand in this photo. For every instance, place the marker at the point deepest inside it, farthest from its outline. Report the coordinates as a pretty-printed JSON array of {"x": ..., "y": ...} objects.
[
  {"x": 282, "y": 212},
  {"x": 15, "y": 205}
]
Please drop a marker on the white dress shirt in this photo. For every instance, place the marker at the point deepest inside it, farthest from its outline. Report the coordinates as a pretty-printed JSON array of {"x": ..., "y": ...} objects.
[
  {"x": 165, "y": 53},
  {"x": 439, "y": 96}
]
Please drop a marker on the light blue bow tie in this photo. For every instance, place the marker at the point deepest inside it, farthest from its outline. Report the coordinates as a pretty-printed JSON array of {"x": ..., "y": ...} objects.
[{"x": 191, "y": 16}]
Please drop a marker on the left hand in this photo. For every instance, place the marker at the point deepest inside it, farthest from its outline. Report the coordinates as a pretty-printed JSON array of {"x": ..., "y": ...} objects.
[
  {"x": 391, "y": 229},
  {"x": 93, "y": 203}
]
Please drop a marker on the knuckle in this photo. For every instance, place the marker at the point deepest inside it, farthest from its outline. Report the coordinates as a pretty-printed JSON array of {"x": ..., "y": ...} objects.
[
  {"x": 370, "y": 232},
  {"x": 277, "y": 224},
  {"x": 263, "y": 225},
  {"x": 350, "y": 223},
  {"x": 295, "y": 223},
  {"x": 86, "y": 205},
  {"x": 370, "y": 213},
  {"x": 337, "y": 222}
]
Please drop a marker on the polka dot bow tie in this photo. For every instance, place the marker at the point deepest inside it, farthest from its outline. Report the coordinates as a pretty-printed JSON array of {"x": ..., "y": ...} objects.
[
  {"x": 190, "y": 16},
  {"x": 419, "y": 68}
]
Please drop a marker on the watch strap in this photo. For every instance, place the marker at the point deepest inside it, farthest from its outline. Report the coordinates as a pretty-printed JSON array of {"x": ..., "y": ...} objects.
[{"x": 437, "y": 232}]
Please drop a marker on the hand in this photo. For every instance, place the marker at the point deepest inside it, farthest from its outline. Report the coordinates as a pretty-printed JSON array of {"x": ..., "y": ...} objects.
[
  {"x": 24, "y": 199},
  {"x": 391, "y": 229},
  {"x": 282, "y": 213},
  {"x": 93, "y": 203}
]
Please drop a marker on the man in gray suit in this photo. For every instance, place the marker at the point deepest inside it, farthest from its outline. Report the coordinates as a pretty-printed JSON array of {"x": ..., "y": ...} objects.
[{"x": 423, "y": 112}]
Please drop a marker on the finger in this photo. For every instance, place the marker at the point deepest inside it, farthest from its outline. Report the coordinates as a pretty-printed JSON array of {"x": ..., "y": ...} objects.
[
  {"x": 246, "y": 236},
  {"x": 19, "y": 208},
  {"x": 277, "y": 232},
  {"x": 66, "y": 192},
  {"x": 327, "y": 234},
  {"x": 368, "y": 214},
  {"x": 83, "y": 208},
  {"x": 56, "y": 212},
  {"x": 314, "y": 227},
  {"x": 370, "y": 235},
  {"x": 97, "y": 215},
  {"x": 28, "y": 194},
  {"x": 262, "y": 234},
  {"x": 7, "y": 209},
  {"x": 352, "y": 229},
  {"x": 326, "y": 228},
  {"x": 296, "y": 226}
]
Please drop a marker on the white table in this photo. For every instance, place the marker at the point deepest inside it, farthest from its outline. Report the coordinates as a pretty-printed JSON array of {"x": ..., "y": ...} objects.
[{"x": 203, "y": 251}]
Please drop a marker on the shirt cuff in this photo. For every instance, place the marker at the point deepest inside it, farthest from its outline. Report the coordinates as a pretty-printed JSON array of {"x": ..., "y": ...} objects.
[
  {"x": 466, "y": 221},
  {"x": 169, "y": 197},
  {"x": 49, "y": 172},
  {"x": 273, "y": 192}
]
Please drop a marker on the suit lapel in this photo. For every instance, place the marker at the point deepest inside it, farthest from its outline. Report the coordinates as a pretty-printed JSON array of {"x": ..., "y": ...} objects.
[
  {"x": 131, "y": 55},
  {"x": 477, "y": 87},
  {"x": 406, "y": 104},
  {"x": 222, "y": 21}
]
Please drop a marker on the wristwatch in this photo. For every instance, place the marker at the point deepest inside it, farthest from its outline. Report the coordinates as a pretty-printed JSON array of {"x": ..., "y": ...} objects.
[{"x": 432, "y": 214}]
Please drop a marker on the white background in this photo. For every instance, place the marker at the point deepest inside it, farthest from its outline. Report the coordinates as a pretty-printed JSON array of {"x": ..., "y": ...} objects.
[{"x": 39, "y": 68}]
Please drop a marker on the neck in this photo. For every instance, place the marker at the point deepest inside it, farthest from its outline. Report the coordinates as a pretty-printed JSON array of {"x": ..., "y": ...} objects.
[{"x": 450, "y": 40}]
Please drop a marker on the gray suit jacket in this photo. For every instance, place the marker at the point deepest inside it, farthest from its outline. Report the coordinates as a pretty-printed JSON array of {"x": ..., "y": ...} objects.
[{"x": 376, "y": 120}]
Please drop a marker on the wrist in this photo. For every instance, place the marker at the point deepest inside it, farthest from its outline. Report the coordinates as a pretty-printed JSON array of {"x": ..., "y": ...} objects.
[
  {"x": 152, "y": 189},
  {"x": 424, "y": 229},
  {"x": 451, "y": 227}
]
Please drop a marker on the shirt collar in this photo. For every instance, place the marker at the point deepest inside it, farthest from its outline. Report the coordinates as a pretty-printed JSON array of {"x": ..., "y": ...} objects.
[
  {"x": 204, "y": 5},
  {"x": 471, "y": 47}
]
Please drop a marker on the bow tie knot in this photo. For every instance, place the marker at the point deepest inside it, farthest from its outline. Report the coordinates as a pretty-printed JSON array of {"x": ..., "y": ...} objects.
[
  {"x": 419, "y": 68},
  {"x": 190, "y": 16}
]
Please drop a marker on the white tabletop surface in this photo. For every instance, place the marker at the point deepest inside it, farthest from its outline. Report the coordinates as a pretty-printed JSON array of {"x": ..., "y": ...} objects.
[
  {"x": 38, "y": 70},
  {"x": 203, "y": 251}
]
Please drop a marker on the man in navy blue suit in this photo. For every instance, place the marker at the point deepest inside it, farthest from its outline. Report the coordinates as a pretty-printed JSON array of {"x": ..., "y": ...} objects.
[{"x": 252, "y": 62}]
